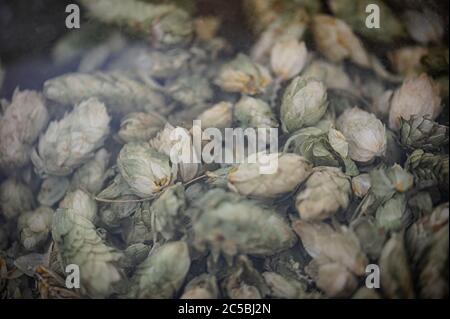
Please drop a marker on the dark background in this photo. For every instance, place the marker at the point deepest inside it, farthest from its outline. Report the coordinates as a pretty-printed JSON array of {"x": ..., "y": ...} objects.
[{"x": 30, "y": 28}]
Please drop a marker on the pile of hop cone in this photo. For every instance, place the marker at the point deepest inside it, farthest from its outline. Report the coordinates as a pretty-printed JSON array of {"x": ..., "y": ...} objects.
[{"x": 88, "y": 181}]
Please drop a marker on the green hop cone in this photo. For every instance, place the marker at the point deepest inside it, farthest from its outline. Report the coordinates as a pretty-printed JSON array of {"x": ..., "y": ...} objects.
[
  {"x": 253, "y": 112},
  {"x": 146, "y": 171},
  {"x": 424, "y": 133},
  {"x": 165, "y": 24},
  {"x": 304, "y": 103},
  {"x": 79, "y": 243},
  {"x": 429, "y": 169},
  {"x": 220, "y": 226},
  {"x": 244, "y": 76},
  {"x": 162, "y": 273},
  {"x": 326, "y": 191}
]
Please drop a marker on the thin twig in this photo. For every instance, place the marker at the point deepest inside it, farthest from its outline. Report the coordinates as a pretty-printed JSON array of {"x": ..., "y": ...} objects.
[
  {"x": 105, "y": 200},
  {"x": 192, "y": 181}
]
